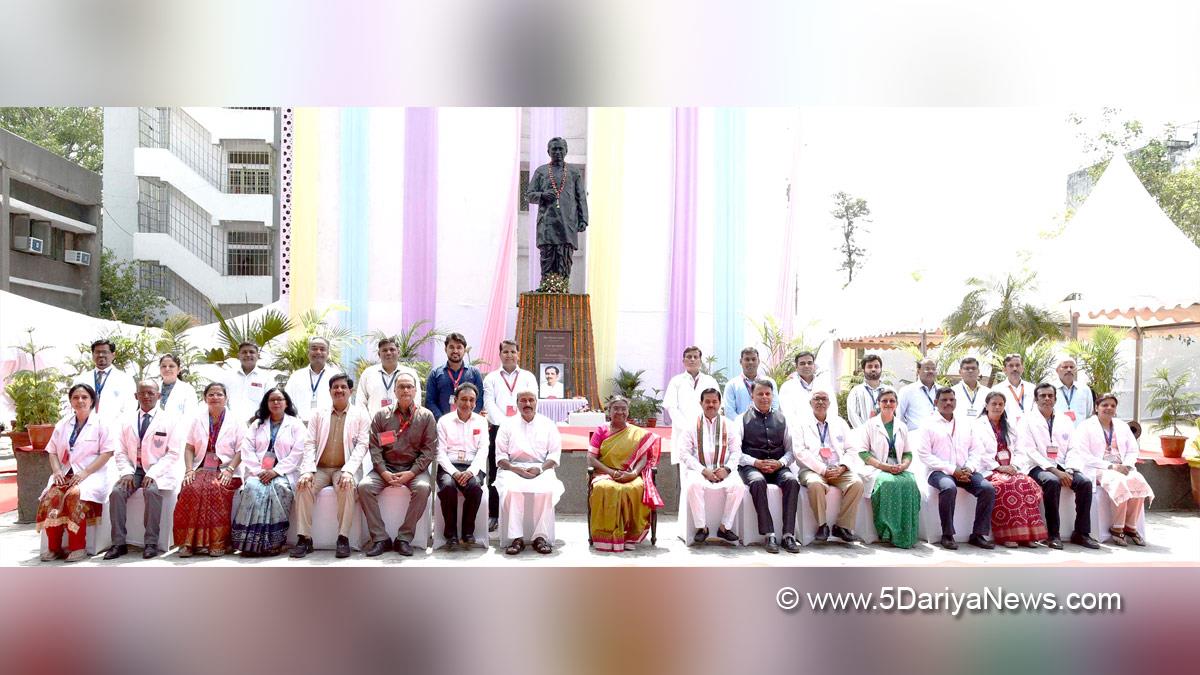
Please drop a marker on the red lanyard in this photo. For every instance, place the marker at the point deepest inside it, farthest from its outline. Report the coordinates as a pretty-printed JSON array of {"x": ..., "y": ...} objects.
[
  {"x": 455, "y": 380},
  {"x": 511, "y": 387}
]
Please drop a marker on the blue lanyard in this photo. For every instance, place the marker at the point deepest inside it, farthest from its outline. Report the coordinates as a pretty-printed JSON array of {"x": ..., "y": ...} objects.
[
  {"x": 927, "y": 396},
  {"x": 99, "y": 383},
  {"x": 1067, "y": 396},
  {"x": 1050, "y": 425},
  {"x": 316, "y": 384},
  {"x": 967, "y": 394},
  {"x": 874, "y": 398},
  {"x": 1108, "y": 437},
  {"x": 75, "y": 433},
  {"x": 388, "y": 385},
  {"x": 823, "y": 431},
  {"x": 274, "y": 432}
]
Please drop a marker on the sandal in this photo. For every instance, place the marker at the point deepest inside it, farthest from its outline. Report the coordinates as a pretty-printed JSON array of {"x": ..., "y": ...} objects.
[
  {"x": 1118, "y": 537},
  {"x": 185, "y": 552},
  {"x": 542, "y": 546},
  {"x": 1133, "y": 536},
  {"x": 515, "y": 547}
]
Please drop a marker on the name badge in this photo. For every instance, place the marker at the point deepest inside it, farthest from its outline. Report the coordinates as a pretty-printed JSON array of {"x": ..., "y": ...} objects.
[
  {"x": 1051, "y": 451},
  {"x": 268, "y": 462},
  {"x": 509, "y": 410},
  {"x": 971, "y": 412},
  {"x": 256, "y": 384},
  {"x": 828, "y": 456},
  {"x": 873, "y": 413},
  {"x": 385, "y": 403},
  {"x": 313, "y": 402},
  {"x": 387, "y": 438},
  {"x": 475, "y": 431},
  {"x": 1071, "y": 414},
  {"x": 1111, "y": 458},
  {"x": 1003, "y": 456}
]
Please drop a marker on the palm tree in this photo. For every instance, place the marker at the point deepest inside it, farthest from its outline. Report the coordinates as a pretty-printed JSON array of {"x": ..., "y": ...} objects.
[
  {"x": 995, "y": 308},
  {"x": 268, "y": 326}
]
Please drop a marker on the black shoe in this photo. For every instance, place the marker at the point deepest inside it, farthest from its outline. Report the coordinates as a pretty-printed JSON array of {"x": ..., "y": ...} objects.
[
  {"x": 151, "y": 551},
  {"x": 948, "y": 542},
  {"x": 343, "y": 547},
  {"x": 701, "y": 536},
  {"x": 493, "y": 524},
  {"x": 981, "y": 541},
  {"x": 1084, "y": 540},
  {"x": 403, "y": 548},
  {"x": 451, "y": 542},
  {"x": 845, "y": 535},
  {"x": 822, "y": 533},
  {"x": 379, "y": 548},
  {"x": 772, "y": 544},
  {"x": 116, "y": 552},
  {"x": 727, "y": 535},
  {"x": 790, "y": 544},
  {"x": 1054, "y": 543},
  {"x": 302, "y": 548},
  {"x": 468, "y": 540}
]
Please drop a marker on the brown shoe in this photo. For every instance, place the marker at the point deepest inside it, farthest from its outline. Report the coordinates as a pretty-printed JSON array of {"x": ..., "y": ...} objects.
[
  {"x": 542, "y": 546},
  {"x": 216, "y": 552},
  {"x": 515, "y": 547},
  {"x": 1134, "y": 538},
  {"x": 1118, "y": 537}
]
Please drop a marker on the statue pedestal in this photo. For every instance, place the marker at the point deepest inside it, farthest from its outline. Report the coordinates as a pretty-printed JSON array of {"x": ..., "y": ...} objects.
[{"x": 556, "y": 329}]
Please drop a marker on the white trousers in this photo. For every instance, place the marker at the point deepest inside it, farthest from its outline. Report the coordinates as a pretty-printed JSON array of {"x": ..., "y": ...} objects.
[
  {"x": 698, "y": 487},
  {"x": 541, "y": 493}
]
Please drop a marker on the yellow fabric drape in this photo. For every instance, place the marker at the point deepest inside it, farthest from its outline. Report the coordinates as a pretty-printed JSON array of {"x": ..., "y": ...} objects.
[
  {"x": 606, "y": 159},
  {"x": 305, "y": 158}
]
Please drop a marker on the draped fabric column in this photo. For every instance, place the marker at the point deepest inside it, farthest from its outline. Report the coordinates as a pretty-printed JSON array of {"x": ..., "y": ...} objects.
[
  {"x": 729, "y": 254},
  {"x": 356, "y": 249},
  {"x": 385, "y": 175},
  {"x": 419, "y": 259},
  {"x": 681, "y": 301},
  {"x": 544, "y": 124},
  {"x": 503, "y": 297},
  {"x": 606, "y": 159},
  {"x": 305, "y": 197}
]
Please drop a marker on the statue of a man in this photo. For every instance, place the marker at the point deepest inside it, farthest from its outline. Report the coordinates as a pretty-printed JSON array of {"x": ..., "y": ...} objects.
[{"x": 558, "y": 191}]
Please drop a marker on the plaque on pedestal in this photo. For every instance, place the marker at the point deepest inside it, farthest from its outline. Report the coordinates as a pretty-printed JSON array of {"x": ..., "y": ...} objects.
[{"x": 554, "y": 331}]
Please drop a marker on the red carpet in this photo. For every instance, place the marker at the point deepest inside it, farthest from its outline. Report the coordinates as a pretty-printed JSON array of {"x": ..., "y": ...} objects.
[{"x": 8, "y": 493}]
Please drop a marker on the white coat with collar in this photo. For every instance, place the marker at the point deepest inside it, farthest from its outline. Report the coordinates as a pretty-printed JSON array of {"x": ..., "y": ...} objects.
[
  {"x": 986, "y": 438},
  {"x": 162, "y": 448},
  {"x": 839, "y": 439},
  {"x": 872, "y": 438},
  {"x": 289, "y": 448},
  {"x": 229, "y": 438},
  {"x": 356, "y": 436},
  {"x": 95, "y": 438},
  {"x": 182, "y": 402},
  {"x": 1034, "y": 437}
]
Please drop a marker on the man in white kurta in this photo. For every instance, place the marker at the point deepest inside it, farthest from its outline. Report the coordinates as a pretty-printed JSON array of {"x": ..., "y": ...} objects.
[
  {"x": 500, "y": 389},
  {"x": 797, "y": 391},
  {"x": 969, "y": 394},
  {"x": 309, "y": 387},
  {"x": 709, "y": 449},
  {"x": 1018, "y": 394},
  {"x": 863, "y": 401},
  {"x": 246, "y": 384},
  {"x": 528, "y": 449},
  {"x": 115, "y": 389},
  {"x": 681, "y": 400},
  {"x": 826, "y": 454},
  {"x": 377, "y": 384}
]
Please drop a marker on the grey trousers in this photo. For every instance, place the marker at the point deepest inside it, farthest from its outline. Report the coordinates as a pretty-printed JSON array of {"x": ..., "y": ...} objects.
[
  {"x": 151, "y": 518},
  {"x": 368, "y": 499}
]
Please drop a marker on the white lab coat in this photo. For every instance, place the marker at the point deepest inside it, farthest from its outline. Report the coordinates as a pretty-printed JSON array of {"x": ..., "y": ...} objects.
[
  {"x": 162, "y": 448},
  {"x": 95, "y": 438},
  {"x": 289, "y": 448}
]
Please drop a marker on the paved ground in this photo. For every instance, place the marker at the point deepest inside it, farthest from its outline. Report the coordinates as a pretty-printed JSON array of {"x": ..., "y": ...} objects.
[{"x": 1174, "y": 539}]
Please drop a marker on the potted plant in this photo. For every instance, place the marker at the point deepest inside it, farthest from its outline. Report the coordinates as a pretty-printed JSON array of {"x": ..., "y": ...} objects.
[
  {"x": 35, "y": 395},
  {"x": 1172, "y": 405}
]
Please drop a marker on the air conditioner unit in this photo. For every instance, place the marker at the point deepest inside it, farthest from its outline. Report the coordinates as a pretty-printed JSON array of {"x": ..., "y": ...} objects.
[
  {"x": 29, "y": 245},
  {"x": 78, "y": 257}
]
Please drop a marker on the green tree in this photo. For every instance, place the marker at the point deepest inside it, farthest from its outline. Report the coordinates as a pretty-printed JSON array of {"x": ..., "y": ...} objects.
[
  {"x": 121, "y": 298},
  {"x": 851, "y": 214},
  {"x": 995, "y": 311},
  {"x": 1176, "y": 189},
  {"x": 74, "y": 133}
]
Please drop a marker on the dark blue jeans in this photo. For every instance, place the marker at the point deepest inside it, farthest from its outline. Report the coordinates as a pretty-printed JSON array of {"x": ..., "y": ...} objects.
[
  {"x": 1052, "y": 488},
  {"x": 985, "y": 498}
]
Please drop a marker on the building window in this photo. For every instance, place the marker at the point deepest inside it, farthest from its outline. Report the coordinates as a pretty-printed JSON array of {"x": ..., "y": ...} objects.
[
  {"x": 248, "y": 254},
  {"x": 249, "y": 172}
]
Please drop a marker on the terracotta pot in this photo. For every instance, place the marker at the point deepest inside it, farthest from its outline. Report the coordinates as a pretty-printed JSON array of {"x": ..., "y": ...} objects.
[
  {"x": 39, "y": 435},
  {"x": 652, "y": 422},
  {"x": 1195, "y": 476},
  {"x": 20, "y": 439},
  {"x": 1172, "y": 446}
]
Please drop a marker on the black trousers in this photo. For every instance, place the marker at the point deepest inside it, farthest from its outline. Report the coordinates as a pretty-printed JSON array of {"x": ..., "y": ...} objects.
[
  {"x": 448, "y": 495},
  {"x": 758, "y": 481},
  {"x": 493, "y": 496},
  {"x": 1052, "y": 488}
]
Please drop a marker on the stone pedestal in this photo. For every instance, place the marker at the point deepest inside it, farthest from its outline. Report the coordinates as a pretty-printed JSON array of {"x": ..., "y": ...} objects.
[
  {"x": 33, "y": 470},
  {"x": 557, "y": 328}
]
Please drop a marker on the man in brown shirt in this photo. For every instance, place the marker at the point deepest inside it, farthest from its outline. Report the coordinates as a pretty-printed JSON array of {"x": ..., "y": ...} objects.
[
  {"x": 403, "y": 443},
  {"x": 334, "y": 455}
]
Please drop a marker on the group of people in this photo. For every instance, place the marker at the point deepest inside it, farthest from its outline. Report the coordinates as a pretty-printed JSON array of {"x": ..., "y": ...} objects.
[
  {"x": 1015, "y": 452},
  {"x": 273, "y": 449}
]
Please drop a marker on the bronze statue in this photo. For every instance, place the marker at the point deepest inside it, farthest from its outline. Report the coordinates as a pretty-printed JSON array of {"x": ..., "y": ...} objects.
[{"x": 558, "y": 191}]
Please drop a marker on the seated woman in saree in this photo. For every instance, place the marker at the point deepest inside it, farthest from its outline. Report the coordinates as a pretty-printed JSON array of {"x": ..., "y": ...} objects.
[
  {"x": 80, "y": 479},
  {"x": 271, "y": 454},
  {"x": 1104, "y": 450},
  {"x": 204, "y": 509},
  {"x": 623, "y": 494},
  {"x": 895, "y": 495},
  {"x": 1017, "y": 515}
]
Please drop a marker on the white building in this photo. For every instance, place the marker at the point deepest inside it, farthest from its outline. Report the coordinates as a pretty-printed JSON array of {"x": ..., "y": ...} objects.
[{"x": 191, "y": 194}]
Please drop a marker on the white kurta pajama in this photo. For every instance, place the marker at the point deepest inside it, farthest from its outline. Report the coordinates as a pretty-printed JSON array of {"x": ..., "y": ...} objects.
[
  {"x": 699, "y": 453},
  {"x": 525, "y": 445}
]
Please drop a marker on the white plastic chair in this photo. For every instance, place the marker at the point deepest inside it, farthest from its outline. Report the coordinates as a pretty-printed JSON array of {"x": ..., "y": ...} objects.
[
  {"x": 864, "y": 520},
  {"x": 325, "y": 522}
]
